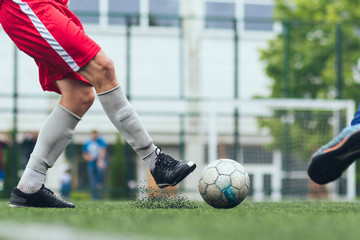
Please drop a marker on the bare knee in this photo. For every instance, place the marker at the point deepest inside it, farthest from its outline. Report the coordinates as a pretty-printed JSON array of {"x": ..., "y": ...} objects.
[
  {"x": 78, "y": 99},
  {"x": 100, "y": 71},
  {"x": 87, "y": 97}
]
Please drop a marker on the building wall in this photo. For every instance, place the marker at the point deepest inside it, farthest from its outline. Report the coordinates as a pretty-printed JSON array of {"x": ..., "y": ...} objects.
[{"x": 161, "y": 63}]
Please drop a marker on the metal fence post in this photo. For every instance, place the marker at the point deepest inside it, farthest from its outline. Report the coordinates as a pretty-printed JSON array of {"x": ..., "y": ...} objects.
[
  {"x": 286, "y": 33},
  {"x": 181, "y": 60},
  {"x": 236, "y": 89},
  {"x": 338, "y": 54},
  {"x": 14, "y": 153},
  {"x": 128, "y": 57},
  {"x": 130, "y": 165}
]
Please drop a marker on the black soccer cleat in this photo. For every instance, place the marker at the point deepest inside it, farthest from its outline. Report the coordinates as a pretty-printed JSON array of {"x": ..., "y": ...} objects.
[
  {"x": 169, "y": 171},
  {"x": 44, "y": 198},
  {"x": 332, "y": 159}
]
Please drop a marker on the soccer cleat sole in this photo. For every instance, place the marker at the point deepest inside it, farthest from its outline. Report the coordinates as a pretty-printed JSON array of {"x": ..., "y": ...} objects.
[
  {"x": 16, "y": 206},
  {"x": 179, "y": 179},
  {"x": 26, "y": 206},
  {"x": 329, "y": 166}
]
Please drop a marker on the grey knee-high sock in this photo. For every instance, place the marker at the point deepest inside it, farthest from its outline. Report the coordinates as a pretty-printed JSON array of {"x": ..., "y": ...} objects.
[
  {"x": 124, "y": 117},
  {"x": 53, "y": 138}
]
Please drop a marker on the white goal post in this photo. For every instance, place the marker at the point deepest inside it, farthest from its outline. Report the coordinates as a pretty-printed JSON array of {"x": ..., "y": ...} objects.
[{"x": 252, "y": 109}]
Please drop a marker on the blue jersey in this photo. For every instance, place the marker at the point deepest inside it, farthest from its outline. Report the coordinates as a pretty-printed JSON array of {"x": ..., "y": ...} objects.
[{"x": 92, "y": 148}]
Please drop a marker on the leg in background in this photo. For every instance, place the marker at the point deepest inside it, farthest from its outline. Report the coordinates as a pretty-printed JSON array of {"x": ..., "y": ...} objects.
[
  {"x": 92, "y": 181},
  {"x": 331, "y": 160},
  {"x": 356, "y": 119}
]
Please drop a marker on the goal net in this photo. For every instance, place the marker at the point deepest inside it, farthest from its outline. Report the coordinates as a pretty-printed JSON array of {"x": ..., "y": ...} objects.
[{"x": 275, "y": 139}]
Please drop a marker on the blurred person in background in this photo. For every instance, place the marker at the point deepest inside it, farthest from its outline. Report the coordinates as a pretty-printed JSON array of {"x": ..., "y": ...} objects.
[
  {"x": 5, "y": 141},
  {"x": 66, "y": 177},
  {"x": 94, "y": 152},
  {"x": 73, "y": 65}
]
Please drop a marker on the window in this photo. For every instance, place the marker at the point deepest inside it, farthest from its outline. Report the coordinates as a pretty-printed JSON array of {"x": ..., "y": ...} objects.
[
  {"x": 220, "y": 15},
  {"x": 258, "y": 17},
  {"x": 119, "y": 8},
  {"x": 164, "y": 13},
  {"x": 86, "y": 10}
]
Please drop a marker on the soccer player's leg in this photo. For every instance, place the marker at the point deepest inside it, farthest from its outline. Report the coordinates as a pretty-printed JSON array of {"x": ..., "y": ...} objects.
[
  {"x": 166, "y": 170},
  {"x": 54, "y": 136},
  {"x": 64, "y": 47},
  {"x": 47, "y": 34},
  {"x": 328, "y": 163}
]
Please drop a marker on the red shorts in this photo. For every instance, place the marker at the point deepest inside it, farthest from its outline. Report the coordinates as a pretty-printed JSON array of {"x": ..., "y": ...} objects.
[{"x": 52, "y": 35}]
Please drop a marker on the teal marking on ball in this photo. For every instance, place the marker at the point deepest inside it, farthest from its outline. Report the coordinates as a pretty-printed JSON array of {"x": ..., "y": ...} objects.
[{"x": 230, "y": 195}]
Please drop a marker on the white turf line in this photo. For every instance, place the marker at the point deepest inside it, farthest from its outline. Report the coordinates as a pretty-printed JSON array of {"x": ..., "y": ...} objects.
[{"x": 17, "y": 231}]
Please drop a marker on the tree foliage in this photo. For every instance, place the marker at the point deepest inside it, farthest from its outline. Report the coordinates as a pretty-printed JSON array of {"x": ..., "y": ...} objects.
[
  {"x": 317, "y": 31},
  {"x": 312, "y": 25},
  {"x": 117, "y": 176}
]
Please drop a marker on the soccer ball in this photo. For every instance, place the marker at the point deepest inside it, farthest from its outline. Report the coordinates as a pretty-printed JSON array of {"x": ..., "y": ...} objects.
[{"x": 224, "y": 183}]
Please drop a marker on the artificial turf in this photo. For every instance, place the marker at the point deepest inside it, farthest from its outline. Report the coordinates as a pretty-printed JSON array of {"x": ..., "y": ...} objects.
[{"x": 196, "y": 220}]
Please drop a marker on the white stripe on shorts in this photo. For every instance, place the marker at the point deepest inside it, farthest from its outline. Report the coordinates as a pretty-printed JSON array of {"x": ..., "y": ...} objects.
[{"x": 44, "y": 32}]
